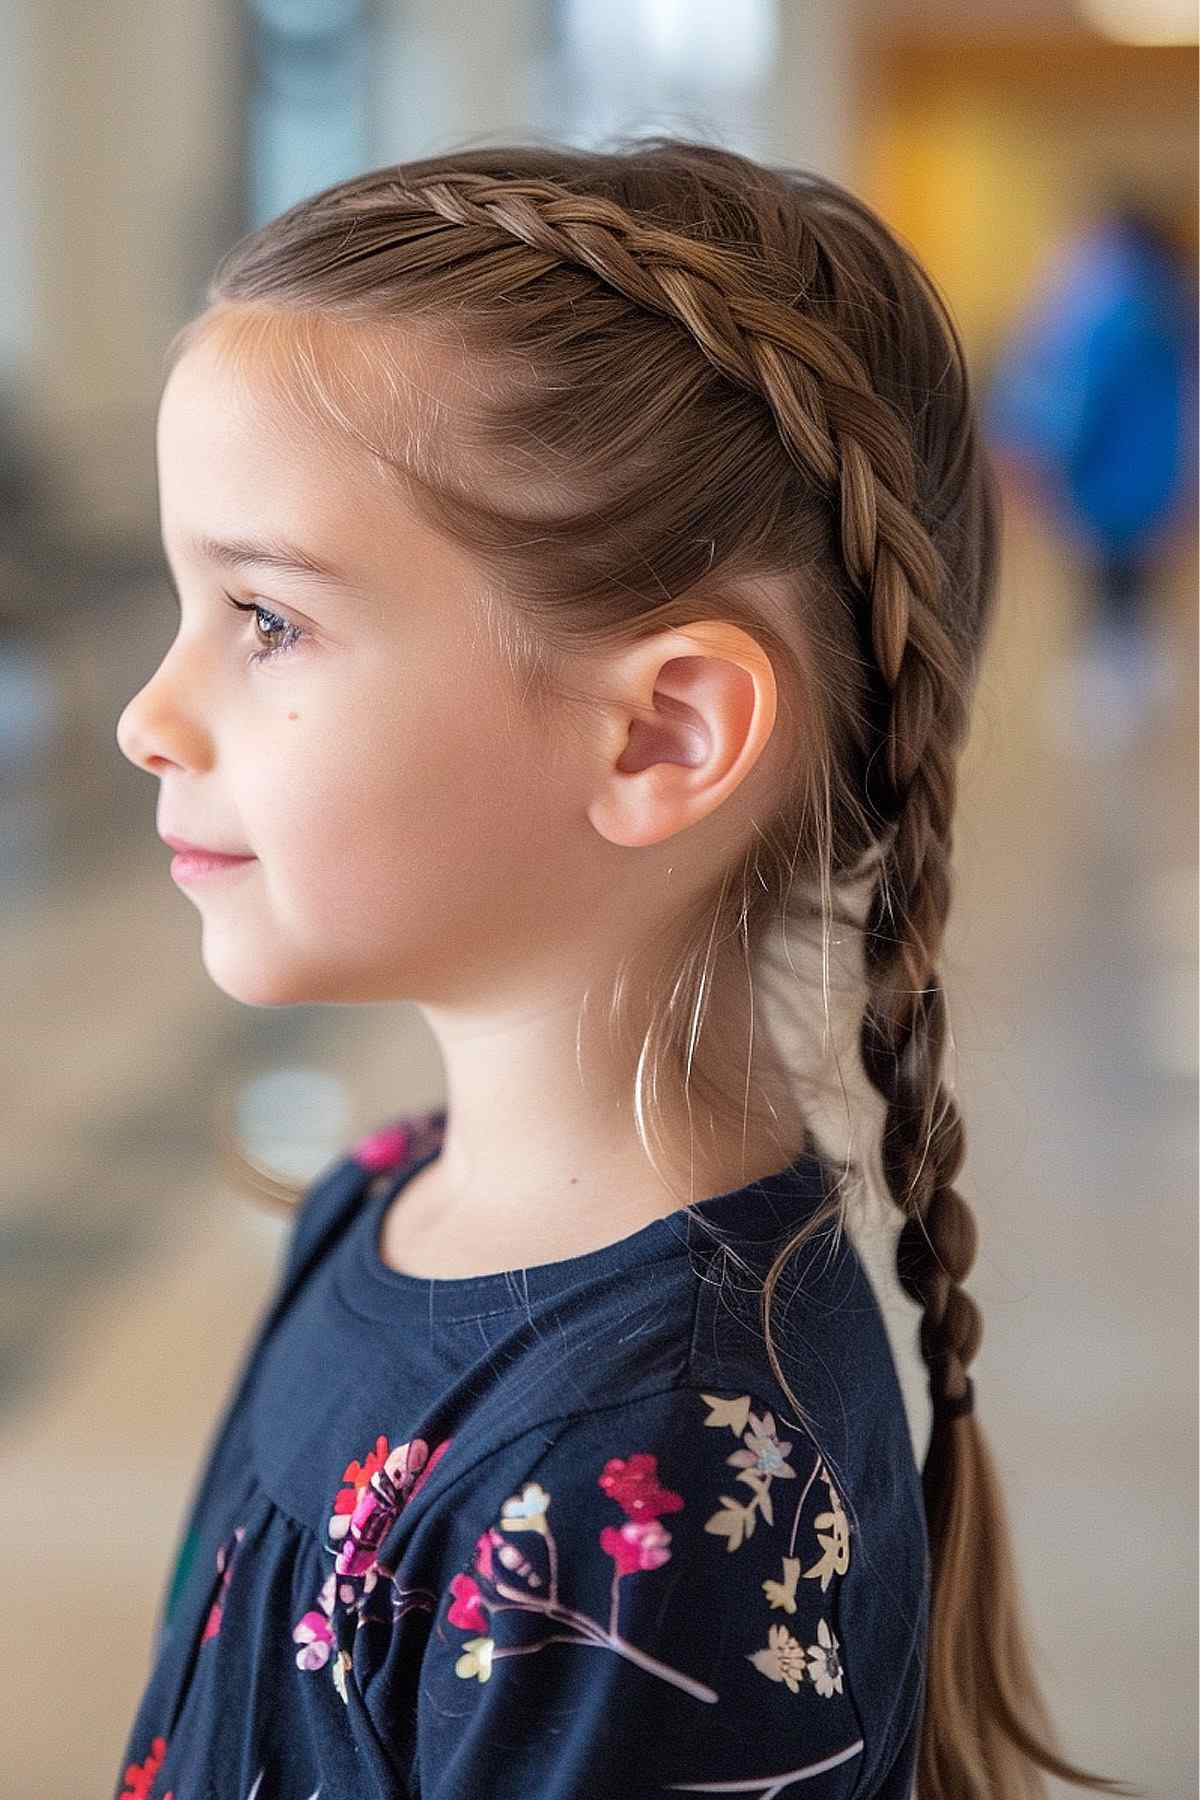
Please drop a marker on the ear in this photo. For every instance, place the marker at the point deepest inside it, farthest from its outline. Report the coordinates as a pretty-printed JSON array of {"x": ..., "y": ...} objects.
[{"x": 695, "y": 709}]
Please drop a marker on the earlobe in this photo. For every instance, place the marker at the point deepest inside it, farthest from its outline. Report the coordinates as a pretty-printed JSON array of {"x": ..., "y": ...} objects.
[{"x": 701, "y": 704}]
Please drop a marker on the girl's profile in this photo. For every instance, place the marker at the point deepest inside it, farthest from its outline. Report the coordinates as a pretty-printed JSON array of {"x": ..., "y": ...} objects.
[{"x": 585, "y": 562}]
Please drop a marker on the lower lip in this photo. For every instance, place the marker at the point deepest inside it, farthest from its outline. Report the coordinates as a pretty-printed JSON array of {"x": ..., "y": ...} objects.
[{"x": 199, "y": 865}]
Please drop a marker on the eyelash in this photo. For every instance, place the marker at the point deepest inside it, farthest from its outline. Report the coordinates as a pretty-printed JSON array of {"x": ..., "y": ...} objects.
[{"x": 291, "y": 637}]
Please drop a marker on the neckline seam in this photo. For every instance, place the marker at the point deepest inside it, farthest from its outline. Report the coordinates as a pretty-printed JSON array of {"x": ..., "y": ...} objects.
[
  {"x": 399, "y": 1284},
  {"x": 398, "y": 1288},
  {"x": 417, "y": 1287}
]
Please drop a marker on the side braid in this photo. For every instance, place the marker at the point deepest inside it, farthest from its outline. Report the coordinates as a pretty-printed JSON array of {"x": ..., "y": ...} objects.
[{"x": 903, "y": 1038}]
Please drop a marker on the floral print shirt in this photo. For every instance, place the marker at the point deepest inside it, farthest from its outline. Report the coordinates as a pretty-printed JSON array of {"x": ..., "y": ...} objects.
[{"x": 556, "y": 1531}]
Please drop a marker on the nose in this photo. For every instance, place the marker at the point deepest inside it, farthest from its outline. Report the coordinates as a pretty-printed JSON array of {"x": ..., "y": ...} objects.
[
  {"x": 133, "y": 737},
  {"x": 154, "y": 732}
]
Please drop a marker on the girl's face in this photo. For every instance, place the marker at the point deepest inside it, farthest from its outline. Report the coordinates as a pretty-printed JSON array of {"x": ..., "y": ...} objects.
[{"x": 411, "y": 840}]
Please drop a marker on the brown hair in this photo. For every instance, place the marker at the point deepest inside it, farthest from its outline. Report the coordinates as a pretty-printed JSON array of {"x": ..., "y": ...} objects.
[{"x": 692, "y": 368}]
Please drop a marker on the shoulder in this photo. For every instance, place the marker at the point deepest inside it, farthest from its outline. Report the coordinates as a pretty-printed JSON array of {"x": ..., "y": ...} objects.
[
  {"x": 713, "y": 1487},
  {"x": 647, "y": 1593}
]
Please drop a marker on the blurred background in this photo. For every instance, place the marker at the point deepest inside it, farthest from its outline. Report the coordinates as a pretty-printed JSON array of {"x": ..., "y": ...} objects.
[{"x": 1041, "y": 159}]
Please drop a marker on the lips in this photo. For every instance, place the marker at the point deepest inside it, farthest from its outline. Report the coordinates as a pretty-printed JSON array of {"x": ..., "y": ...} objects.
[{"x": 190, "y": 849}]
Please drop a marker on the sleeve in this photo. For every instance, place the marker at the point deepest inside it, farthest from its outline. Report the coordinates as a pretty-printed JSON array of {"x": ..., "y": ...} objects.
[{"x": 648, "y": 1607}]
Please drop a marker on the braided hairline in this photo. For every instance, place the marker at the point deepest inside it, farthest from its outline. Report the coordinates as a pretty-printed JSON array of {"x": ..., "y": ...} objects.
[
  {"x": 843, "y": 436},
  {"x": 821, "y": 396}
]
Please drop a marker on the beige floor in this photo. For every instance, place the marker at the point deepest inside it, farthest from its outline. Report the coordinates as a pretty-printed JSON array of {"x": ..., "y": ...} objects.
[{"x": 134, "y": 1274}]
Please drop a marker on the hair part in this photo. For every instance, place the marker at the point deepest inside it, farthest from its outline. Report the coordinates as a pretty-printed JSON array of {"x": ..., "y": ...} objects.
[{"x": 637, "y": 386}]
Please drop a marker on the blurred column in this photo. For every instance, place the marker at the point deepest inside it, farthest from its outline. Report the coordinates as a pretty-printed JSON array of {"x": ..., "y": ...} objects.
[
  {"x": 769, "y": 77},
  {"x": 125, "y": 142},
  {"x": 443, "y": 70},
  {"x": 308, "y": 113}
]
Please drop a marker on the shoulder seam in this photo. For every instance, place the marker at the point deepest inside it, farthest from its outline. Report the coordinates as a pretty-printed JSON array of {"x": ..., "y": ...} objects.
[{"x": 566, "y": 1419}]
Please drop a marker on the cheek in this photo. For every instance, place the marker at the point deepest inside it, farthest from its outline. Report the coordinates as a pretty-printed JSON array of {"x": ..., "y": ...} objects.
[
  {"x": 442, "y": 811},
  {"x": 410, "y": 863}
]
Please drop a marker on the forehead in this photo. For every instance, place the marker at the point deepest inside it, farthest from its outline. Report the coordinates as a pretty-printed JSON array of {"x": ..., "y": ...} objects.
[
  {"x": 396, "y": 407},
  {"x": 234, "y": 456},
  {"x": 249, "y": 448},
  {"x": 217, "y": 391}
]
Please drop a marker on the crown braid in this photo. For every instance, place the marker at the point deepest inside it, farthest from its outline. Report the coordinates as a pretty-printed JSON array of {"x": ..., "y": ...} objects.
[{"x": 818, "y": 389}]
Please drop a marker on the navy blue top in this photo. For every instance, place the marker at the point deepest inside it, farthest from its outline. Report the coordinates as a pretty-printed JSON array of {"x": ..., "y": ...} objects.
[{"x": 552, "y": 1532}]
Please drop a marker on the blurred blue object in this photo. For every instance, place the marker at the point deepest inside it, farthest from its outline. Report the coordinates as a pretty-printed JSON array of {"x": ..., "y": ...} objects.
[
  {"x": 1096, "y": 391},
  {"x": 1098, "y": 385}
]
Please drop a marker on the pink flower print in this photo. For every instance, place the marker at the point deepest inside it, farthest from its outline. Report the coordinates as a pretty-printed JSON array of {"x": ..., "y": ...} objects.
[
  {"x": 315, "y": 1634},
  {"x": 314, "y": 1631},
  {"x": 402, "y": 1140},
  {"x": 383, "y": 1149},
  {"x": 364, "y": 1530},
  {"x": 638, "y": 1544},
  {"x": 765, "y": 1452},
  {"x": 224, "y": 1562},
  {"x": 466, "y": 1608},
  {"x": 633, "y": 1483},
  {"x": 484, "y": 1545},
  {"x": 364, "y": 1511},
  {"x": 492, "y": 1548}
]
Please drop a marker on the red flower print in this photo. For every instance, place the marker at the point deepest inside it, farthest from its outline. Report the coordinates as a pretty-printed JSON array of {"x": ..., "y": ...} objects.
[
  {"x": 358, "y": 1474},
  {"x": 466, "y": 1609},
  {"x": 507, "y": 1578},
  {"x": 364, "y": 1511},
  {"x": 638, "y": 1544},
  {"x": 139, "y": 1777},
  {"x": 427, "y": 1471},
  {"x": 633, "y": 1484}
]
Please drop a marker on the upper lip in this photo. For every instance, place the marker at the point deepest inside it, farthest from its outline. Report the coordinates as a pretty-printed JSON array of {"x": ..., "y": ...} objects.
[{"x": 178, "y": 843}]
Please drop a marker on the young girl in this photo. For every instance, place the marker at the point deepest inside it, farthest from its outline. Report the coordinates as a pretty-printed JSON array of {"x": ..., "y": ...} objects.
[{"x": 585, "y": 563}]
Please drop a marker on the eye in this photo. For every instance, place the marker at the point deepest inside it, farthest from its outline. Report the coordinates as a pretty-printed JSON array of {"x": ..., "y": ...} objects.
[{"x": 290, "y": 635}]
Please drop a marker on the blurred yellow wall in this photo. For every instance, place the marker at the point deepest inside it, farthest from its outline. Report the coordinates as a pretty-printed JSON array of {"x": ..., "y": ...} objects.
[{"x": 983, "y": 154}]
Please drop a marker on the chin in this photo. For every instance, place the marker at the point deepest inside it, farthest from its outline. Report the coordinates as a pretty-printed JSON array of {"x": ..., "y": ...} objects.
[
  {"x": 250, "y": 979},
  {"x": 254, "y": 979}
]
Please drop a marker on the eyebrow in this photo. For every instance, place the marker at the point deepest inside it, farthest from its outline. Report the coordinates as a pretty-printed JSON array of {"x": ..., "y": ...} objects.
[{"x": 267, "y": 553}]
